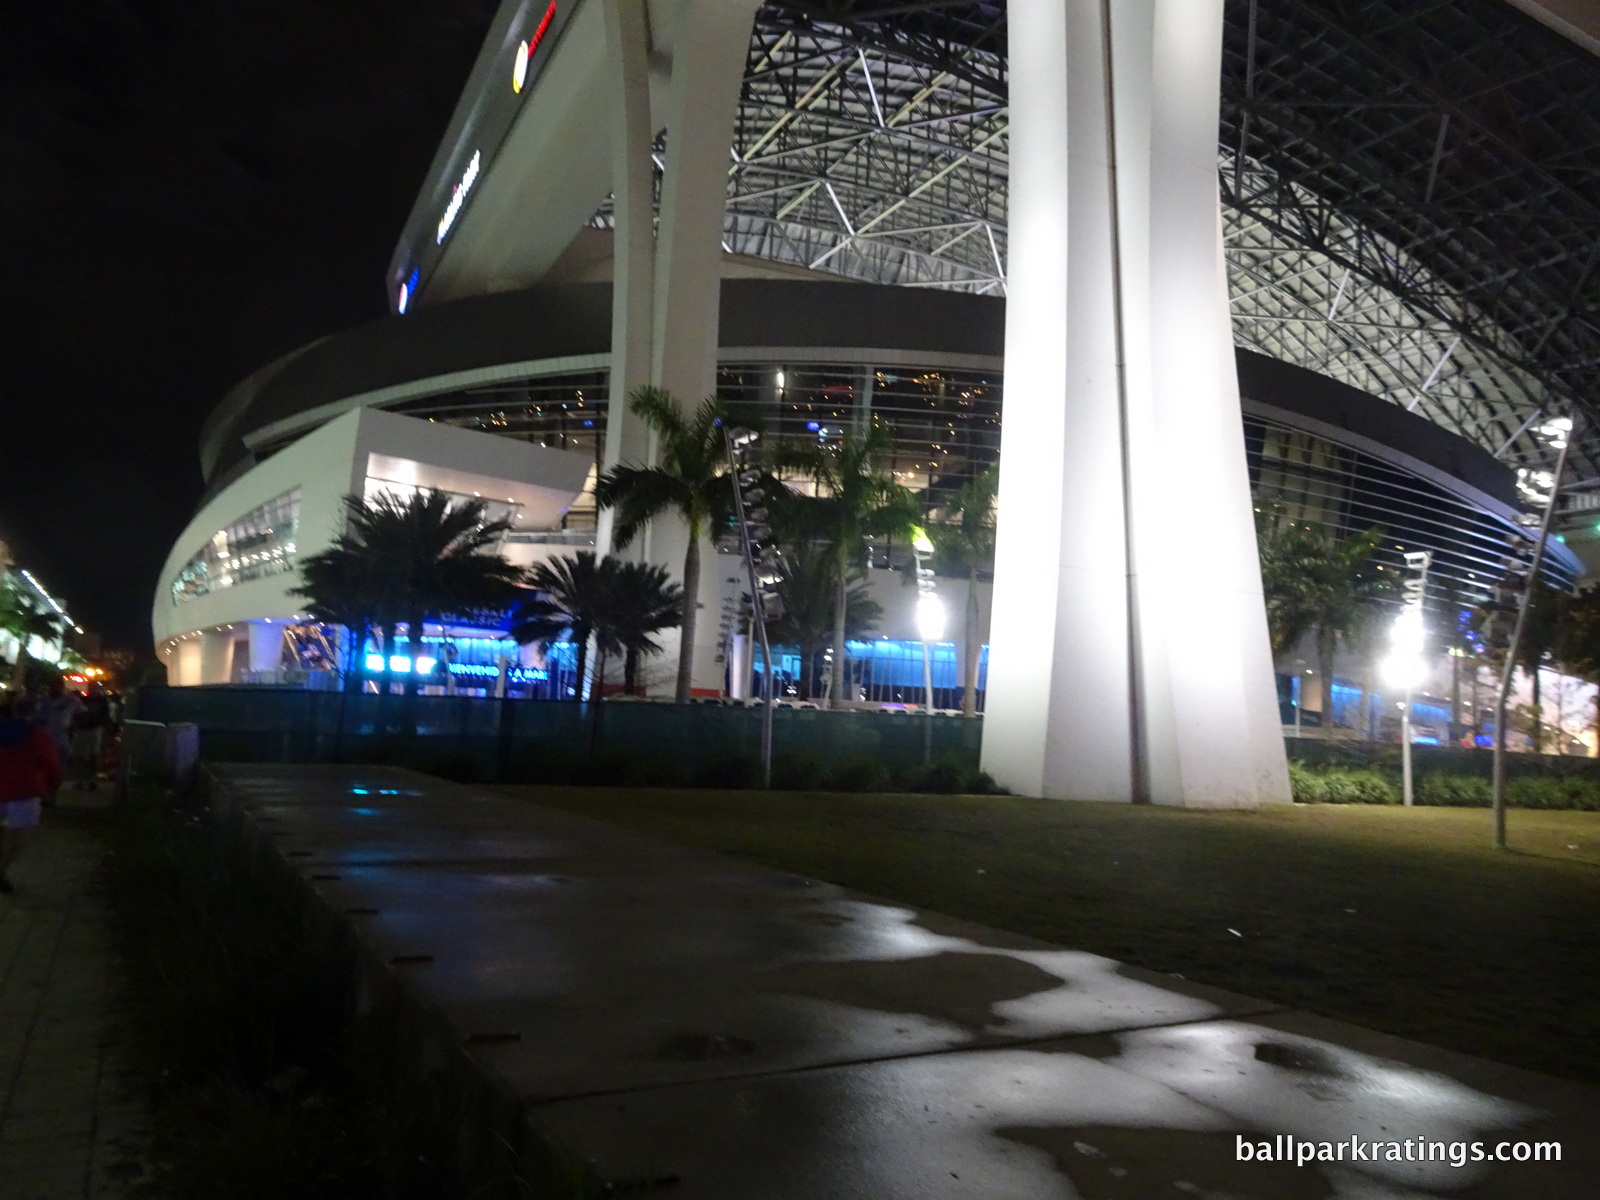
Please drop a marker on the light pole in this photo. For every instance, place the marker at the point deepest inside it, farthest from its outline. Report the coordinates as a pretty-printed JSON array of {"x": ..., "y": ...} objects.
[
  {"x": 1404, "y": 667},
  {"x": 930, "y": 610},
  {"x": 930, "y": 625},
  {"x": 930, "y": 628},
  {"x": 1558, "y": 433},
  {"x": 1299, "y": 693}
]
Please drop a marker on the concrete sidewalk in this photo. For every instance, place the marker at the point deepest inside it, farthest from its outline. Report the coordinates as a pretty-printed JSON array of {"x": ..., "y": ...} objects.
[
  {"x": 68, "y": 1118},
  {"x": 686, "y": 1020}
]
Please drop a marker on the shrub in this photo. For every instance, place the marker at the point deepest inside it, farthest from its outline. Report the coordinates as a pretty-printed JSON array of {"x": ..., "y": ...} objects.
[
  {"x": 947, "y": 775},
  {"x": 1341, "y": 785},
  {"x": 1305, "y": 784},
  {"x": 1357, "y": 785},
  {"x": 1453, "y": 791},
  {"x": 1546, "y": 792},
  {"x": 941, "y": 775},
  {"x": 798, "y": 772},
  {"x": 859, "y": 775},
  {"x": 981, "y": 783},
  {"x": 729, "y": 771},
  {"x": 1441, "y": 789}
]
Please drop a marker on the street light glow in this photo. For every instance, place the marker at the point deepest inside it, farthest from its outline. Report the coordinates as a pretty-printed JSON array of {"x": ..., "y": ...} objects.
[
  {"x": 1403, "y": 667},
  {"x": 930, "y": 617}
]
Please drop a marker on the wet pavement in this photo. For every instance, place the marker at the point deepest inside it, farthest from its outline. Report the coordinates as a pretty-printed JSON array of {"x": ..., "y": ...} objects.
[
  {"x": 72, "y": 1123},
  {"x": 700, "y": 1026}
]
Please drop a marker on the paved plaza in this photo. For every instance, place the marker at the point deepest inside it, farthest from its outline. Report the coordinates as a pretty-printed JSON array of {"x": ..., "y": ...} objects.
[
  {"x": 686, "y": 1020},
  {"x": 69, "y": 1120}
]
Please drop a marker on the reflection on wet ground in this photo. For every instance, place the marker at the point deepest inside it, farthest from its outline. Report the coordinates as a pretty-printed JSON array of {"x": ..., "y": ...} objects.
[{"x": 672, "y": 1014}]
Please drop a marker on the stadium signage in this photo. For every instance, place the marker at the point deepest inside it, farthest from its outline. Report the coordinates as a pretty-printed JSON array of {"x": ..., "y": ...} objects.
[
  {"x": 525, "y": 51},
  {"x": 513, "y": 674},
  {"x": 458, "y": 196},
  {"x": 1415, "y": 588}
]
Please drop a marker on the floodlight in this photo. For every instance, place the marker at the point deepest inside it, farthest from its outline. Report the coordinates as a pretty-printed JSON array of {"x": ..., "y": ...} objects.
[
  {"x": 1404, "y": 671},
  {"x": 1556, "y": 430},
  {"x": 1404, "y": 666}
]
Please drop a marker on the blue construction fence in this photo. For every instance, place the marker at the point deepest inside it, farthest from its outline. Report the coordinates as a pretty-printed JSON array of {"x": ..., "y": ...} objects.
[{"x": 529, "y": 740}]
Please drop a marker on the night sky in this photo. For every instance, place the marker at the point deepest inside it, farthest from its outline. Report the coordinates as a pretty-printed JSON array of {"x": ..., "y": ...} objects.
[{"x": 187, "y": 191}]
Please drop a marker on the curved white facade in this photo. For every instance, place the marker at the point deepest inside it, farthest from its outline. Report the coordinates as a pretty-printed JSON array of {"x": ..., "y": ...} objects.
[{"x": 221, "y": 615}]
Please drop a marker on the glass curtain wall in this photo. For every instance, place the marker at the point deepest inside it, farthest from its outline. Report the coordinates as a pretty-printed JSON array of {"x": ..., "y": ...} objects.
[{"x": 258, "y": 544}]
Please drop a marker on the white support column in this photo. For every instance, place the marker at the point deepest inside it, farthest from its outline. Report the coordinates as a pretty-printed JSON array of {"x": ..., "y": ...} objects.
[
  {"x": 710, "y": 43},
  {"x": 216, "y": 655},
  {"x": 709, "y": 48},
  {"x": 184, "y": 667},
  {"x": 633, "y": 202},
  {"x": 266, "y": 645},
  {"x": 1056, "y": 713},
  {"x": 1129, "y": 652}
]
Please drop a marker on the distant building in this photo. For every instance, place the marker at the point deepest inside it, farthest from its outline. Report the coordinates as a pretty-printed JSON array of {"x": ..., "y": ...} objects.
[{"x": 48, "y": 650}]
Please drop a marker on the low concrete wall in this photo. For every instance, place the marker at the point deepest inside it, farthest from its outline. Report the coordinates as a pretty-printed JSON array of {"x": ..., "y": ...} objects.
[{"x": 498, "y": 1150}]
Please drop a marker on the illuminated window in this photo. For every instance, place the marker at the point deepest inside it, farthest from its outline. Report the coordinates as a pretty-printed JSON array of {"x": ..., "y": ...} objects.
[{"x": 258, "y": 544}]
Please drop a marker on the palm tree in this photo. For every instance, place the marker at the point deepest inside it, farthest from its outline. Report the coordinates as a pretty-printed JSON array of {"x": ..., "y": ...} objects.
[
  {"x": 964, "y": 545},
  {"x": 25, "y": 619},
  {"x": 433, "y": 556},
  {"x": 809, "y": 591},
  {"x": 1314, "y": 579},
  {"x": 339, "y": 585},
  {"x": 428, "y": 555},
  {"x": 690, "y": 481},
  {"x": 646, "y": 602},
  {"x": 1580, "y": 642},
  {"x": 855, "y": 499},
  {"x": 1286, "y": 583},
  {"x": 1542, "y": 639},
  {"x": 575, "y": 600}
]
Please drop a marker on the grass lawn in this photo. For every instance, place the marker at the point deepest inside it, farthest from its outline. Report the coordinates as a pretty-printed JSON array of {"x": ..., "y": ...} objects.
[{"x": 1402, "y": 920}]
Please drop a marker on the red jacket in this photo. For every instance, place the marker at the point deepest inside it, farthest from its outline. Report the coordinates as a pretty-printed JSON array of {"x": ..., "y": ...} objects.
[{"x": 29, "y": 764}]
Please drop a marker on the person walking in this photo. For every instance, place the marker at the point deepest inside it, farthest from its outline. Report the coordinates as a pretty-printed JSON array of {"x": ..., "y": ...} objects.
[
  {"x": 88, "y": 738},
  {"x": 30, "y": 769},
  {"x": 56, "y": 711}
]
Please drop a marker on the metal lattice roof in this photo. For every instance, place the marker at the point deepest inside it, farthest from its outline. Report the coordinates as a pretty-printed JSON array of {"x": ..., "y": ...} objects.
[{"x": 1411, "y": 188}]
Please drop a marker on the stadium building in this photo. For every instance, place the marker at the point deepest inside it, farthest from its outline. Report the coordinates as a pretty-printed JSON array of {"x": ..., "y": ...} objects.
[{"x": 818, "y": 228}]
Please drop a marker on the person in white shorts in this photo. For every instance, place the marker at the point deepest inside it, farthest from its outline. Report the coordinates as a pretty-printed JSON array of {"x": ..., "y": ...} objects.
[{"x": 30, "y": 769}]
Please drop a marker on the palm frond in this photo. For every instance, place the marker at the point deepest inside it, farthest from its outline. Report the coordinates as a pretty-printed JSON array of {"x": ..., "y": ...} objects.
[
  {"x": 408, "y": 559},
  {"x": 637, "y": 496}
]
